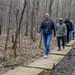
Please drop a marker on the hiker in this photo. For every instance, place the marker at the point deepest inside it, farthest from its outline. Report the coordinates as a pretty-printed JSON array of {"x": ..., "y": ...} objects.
[
  {"x": 69, "y": 29},
  {"x": 61, "y": 32},
  {"x": 47, "y": 26},
  {"x": 72, "y": 33}
]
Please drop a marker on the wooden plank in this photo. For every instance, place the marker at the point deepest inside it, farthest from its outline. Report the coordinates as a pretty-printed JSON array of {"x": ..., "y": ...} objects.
[
  {"x": 62, "y": 51},
  {"x": 71, "y": 43},
  {"x": 47, "y": 63},
  {"x": 24, "y": 71}
]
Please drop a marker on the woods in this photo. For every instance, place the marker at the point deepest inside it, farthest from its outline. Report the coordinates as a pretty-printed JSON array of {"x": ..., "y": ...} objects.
[
  {"x": 19, "y": 23},
  {"x": 19, "y": 20}
]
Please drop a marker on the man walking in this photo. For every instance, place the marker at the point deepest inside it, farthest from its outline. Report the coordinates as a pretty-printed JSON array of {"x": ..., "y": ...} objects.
[
  {"x": 47, "y": 26},
  {"x": 74, "y": 32},
  {"x": 61, "y": 32},
  {"x": 69, "y": 29}
]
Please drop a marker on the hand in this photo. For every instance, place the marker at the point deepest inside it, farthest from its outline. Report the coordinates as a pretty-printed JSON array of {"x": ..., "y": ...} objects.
[
  {"x": 54, "y": 37},
  {"x": 38, "y": 34}
]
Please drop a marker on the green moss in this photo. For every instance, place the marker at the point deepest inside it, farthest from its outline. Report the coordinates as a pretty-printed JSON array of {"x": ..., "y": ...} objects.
[
  {"x": 73, "y": 59},
  {"x": 61, "y": 71}
]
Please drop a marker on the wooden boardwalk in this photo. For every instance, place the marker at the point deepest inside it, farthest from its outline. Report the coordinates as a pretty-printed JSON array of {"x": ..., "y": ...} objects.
[
  {"x": 41, "y": 64},
  {"x": 71, "y": 43}
]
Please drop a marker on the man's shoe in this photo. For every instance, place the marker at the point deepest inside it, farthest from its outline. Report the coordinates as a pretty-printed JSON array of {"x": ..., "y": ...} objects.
[
  {"x": 63, "y": 47},
  {"x": 58, "y": 49},
  {"x": 45, "y": 56}
]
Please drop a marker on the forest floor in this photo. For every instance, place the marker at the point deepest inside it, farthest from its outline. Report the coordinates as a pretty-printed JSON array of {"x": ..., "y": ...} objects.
[{"x": 27, "y": 52}]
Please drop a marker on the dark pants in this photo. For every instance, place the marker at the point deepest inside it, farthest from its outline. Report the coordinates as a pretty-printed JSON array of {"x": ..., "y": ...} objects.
[
  {"x": 63, "y": 41},
  {"x": 67, "y": 37},
  {"x": 73, "y": 35}
]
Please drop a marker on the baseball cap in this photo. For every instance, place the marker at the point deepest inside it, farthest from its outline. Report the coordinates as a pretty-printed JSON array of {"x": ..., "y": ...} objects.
[{"x": 61, "y": 19}]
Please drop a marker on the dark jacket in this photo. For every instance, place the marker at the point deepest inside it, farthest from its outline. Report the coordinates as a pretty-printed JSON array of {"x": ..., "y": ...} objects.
[
  {"x": 72, "y": 26},
  {"x": 69, "y": 26},
  {"x": 47, "y": 26}
]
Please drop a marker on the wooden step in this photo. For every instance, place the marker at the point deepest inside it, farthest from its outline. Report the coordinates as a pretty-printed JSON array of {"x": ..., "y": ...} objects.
[
  {"x": 71, "y": 43},
  {"x": 24, "y": 71},
  {"x": 62, "y": 51},
  {"x": 47, "y": 63}
]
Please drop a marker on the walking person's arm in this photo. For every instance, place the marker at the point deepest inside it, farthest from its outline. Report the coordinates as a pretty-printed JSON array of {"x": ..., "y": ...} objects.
[
  {"x": 54, "y": 29},
  {"x": 65, "y": 30}
]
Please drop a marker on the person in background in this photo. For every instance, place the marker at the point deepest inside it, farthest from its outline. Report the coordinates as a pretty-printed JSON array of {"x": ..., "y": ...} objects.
[
  {"x": 47, "y": 26},
  {"x": 69, "y": 29},
  {"x": 61, "y": 32},
  {"x": 72, "y": 33}
]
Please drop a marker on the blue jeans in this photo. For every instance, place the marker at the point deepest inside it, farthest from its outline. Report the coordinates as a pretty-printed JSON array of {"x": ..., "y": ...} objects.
[
  {"x": 63, "y": 41},
  {"x": 47, "y": 40}
]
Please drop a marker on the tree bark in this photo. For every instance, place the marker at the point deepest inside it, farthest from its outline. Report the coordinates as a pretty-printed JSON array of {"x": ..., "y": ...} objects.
[
  {"x": 18, "y": 30},
  {"x": 8, "y": 28}
]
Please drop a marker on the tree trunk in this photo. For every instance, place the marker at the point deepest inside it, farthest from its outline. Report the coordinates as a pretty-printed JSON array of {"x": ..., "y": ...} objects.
[
  {"x": 40, "y": 41},
  {"x": 18, "y": 30},
  {"x": 32, "y": 22},
  {"x": 0, "y": 30},
  {"x": 57, "y": 4},
  {"x": 27, "y": 13},
  {"x": 50, "y": 7},
  {"x": 8, "y": 28}
]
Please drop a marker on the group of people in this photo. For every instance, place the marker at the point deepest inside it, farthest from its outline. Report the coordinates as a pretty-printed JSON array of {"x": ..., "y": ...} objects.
[{"x": 63, "y": 31}]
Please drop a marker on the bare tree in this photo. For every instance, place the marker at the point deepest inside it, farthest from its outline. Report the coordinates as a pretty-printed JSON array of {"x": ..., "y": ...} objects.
[
  {"x": 27, "y": 20},
  {"x": 70, "y": 2},
  {"x": 8, "y": 28},
  {"x": 32, "y": 21},
  {"x": 50, "y": 6},
  {"x": 18, "y": 30},
  {"x": 57, "y": 10}
]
